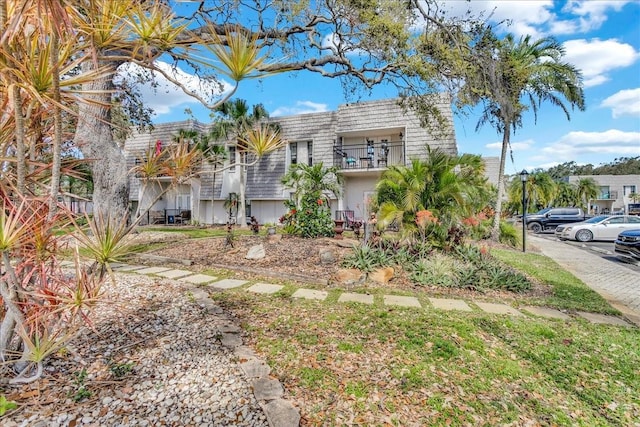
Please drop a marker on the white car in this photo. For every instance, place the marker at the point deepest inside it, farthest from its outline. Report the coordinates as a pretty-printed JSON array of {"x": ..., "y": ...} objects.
[{"x": 603, "y": 227}]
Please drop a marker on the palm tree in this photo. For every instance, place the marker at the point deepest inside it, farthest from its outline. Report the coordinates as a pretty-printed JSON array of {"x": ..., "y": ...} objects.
[
  {"x": 566, "y": 195},
  {"x": 316, "y": 179},
  {"x": 541, "y": 190},
  {"x": 451, "y": 187},
  {"x": 587, "y": 189},
  {"x": 512, "y": 77},
  {"x": 235, "y": 119}
]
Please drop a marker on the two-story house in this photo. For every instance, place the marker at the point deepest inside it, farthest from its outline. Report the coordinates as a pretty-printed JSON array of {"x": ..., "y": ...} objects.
[
  {"x": 615, "y": 192},
  {"x": 361, "y": 139}
]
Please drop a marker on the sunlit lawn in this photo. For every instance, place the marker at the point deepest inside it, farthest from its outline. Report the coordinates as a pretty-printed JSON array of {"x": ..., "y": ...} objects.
[{"x": 353, "y": 364}]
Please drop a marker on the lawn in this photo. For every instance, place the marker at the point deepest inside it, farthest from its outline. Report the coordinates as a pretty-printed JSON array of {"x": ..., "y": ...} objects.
[{"x": 352, "y": 364}]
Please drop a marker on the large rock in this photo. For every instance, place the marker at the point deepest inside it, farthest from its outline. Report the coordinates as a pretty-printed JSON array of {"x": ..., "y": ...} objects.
[
  {"x": 256, "y": 252},
  {"x": 327, "y": 256},
  {"x": 382, "y": 275},
  {"x": 347, "y": 243},
  {"x": 349, "y": 276}
]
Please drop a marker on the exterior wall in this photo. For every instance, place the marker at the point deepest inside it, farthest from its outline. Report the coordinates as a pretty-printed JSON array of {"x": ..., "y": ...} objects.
[
  {"x": 492, "y": 169},
  {"x": 357, "y": 191},
  {"x": 350, "y": 124},
  {"x": 615, "y": 200}
]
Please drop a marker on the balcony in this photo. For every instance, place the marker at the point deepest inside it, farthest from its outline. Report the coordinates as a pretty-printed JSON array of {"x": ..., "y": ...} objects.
[
  {"x": 608, "y": 195},
  {"x": 356, "y": 157}
]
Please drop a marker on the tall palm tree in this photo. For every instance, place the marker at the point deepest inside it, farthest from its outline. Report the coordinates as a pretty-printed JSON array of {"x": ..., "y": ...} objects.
[
  {"x": 512, "y": 77},
  {"x": 587, "y": 189},
  {"x": 234, "y": 119}
]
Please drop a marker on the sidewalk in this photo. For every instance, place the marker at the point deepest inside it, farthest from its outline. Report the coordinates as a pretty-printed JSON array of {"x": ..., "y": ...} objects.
[{"x": 614, "y": 281}]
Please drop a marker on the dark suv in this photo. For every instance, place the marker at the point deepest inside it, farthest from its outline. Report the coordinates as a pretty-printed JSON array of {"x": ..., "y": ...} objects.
[{"x": 550, "y": 218}]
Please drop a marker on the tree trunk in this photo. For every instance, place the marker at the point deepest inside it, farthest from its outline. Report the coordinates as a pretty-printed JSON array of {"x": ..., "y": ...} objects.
[
  {"x": 242, "y": 220},
  {"x": 495, "y": 231},
  {"x": 95, "y": 139},
  {"x": 57, "y": 125}
]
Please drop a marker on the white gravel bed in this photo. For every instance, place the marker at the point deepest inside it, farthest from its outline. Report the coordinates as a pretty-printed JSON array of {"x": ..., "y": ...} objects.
[{"x": 153, "y": 358}]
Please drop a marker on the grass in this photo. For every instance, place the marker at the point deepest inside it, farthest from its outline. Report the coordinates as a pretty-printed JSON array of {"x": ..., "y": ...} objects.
[
  {"x": 376, "y": 365},
  {"x": 568, "y": 292},
  {"x": 197, "y": 233},
  {"x": 355, "y": 364}
]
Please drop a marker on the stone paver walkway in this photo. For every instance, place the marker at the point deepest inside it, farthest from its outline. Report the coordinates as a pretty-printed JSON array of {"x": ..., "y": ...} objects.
[
  {"x": 614, "y": 281},
  {"x": 388, "y": 300}
]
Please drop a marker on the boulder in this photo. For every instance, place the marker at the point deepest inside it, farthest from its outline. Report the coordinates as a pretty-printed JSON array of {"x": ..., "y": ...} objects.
[
  {"x": 349, "y": 276},
  {"x": 347, "y": 243},
  {"x": 256, "y": 252},
  {"x": 382, "y": 275},
  {"x": 327, "y": 256}
]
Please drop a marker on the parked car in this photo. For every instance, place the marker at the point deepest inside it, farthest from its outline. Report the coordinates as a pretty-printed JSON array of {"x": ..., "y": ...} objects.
[
  {"x": 550, "y": 218},
  {"x": 627, "y": 245},
  {"x": 603, "y": 227}
]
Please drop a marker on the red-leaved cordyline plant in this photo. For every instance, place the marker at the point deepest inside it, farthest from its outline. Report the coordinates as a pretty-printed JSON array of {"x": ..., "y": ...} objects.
[{"x": 41, "y": 306}]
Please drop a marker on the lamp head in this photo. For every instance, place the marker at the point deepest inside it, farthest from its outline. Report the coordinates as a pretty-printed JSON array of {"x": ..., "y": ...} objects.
[{"x": 524, "y": 175}]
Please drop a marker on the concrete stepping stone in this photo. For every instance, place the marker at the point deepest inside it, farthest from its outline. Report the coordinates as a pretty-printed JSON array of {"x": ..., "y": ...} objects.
[
  {"x": 229, "y": 283},
  {"x": 494, "y": 308},
  {"x": 281, "y": 413},
  {"x": 401, "y": 301},
  {"x": 604, "y": 319},
  {"x": 152, "y": 270},
  {"x": 267, "y": 389},
  {"x": 353, "y": 297},
  {"x": 264, "y": 288},
  {"x": 131, "y": 267},
  {"x": 175, "y": 274},
  {"x": 310, "y": 294},
  {"x": 449, "y": 304},
  {"x": 198, "y": 279},
  {"x": 116, "y": 265},
  {"x": 550, "y": 313}
]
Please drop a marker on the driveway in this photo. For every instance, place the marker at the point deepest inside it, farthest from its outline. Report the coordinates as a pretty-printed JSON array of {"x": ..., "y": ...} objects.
[{"x": 616, "y": 282}]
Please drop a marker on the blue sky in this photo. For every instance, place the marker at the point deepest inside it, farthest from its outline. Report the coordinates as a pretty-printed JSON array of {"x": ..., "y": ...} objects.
[{"x": 601, "y": 38}]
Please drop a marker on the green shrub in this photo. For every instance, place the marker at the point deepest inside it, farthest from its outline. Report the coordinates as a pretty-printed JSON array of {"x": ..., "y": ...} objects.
[
  {"x": 509, "y": 235},
  {"x": 311, "y": 219}
]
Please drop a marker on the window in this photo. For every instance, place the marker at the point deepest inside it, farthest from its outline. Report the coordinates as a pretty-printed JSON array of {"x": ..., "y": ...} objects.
[
  {"x": 310, "y": 152},
  {"x": 293, "y": 147},
  {"x": 232, "y": 158},
  {"x": 628, "y": 189},
  {"x": 604, "y": 192}
]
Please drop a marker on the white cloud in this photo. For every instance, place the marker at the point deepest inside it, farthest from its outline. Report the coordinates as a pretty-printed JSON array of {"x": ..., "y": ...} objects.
[
  {"x": 578, "y": 143},
  {"x": 591, "y": 14},
  {"x": 166, "y": 96},
  {"x": 625, "y": 102},
  {"x": 537, "y": 18},
  {"x": 595, "y": 58},
  {"x": 301, "y": 107},
  {"x": 515, "y": 146}
]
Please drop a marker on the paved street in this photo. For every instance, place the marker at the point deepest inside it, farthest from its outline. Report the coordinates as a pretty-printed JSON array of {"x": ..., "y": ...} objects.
[{"x": 615, "y": 281}]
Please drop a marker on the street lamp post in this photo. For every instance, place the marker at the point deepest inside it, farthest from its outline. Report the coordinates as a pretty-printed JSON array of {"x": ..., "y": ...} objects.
[{"x": 524, "y": 175}]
